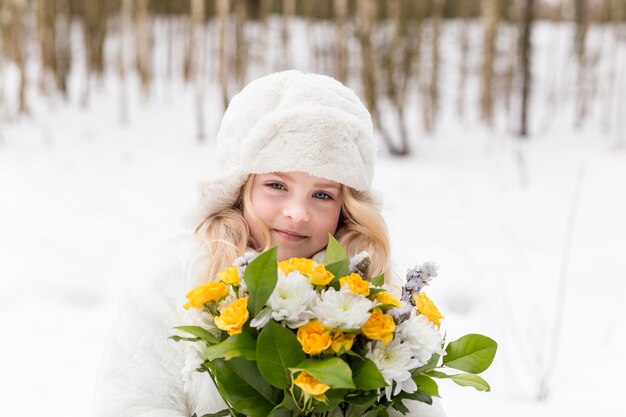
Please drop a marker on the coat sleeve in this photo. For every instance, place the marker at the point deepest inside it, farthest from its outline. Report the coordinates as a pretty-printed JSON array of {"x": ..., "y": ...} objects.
[{"x": 140, "y": 372}]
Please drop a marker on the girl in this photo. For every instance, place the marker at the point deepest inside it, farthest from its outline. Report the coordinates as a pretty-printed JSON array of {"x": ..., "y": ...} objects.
[{"x": 296, "y": 154}]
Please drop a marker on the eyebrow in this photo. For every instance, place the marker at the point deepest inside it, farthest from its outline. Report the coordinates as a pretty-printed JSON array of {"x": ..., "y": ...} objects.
[{"x": 322, "y": 184}]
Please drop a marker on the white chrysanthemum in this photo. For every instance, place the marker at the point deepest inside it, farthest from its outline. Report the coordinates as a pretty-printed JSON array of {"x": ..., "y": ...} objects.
[
  {"x": 422, "y": 336},
  {"x": 343, "y": 310},
  {"x": 292, "y": 300},
  {"x": 193, "y": 360},
  {"x": 394, "y": 361}
]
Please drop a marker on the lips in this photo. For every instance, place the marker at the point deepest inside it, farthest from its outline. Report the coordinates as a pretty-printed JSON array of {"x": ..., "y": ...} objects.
[{"x": 290, "y": 235}]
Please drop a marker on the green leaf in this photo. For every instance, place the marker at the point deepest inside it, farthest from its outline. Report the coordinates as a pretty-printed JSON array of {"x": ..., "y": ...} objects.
[
  {"x": 333, "y": 398},
  {"x": 379, "y": 281},
  {"x": 186, "y": 339},
  {"x": 241, "y": 344},
  {"x": 365, "y": 400},
  {"x": 367, "y": 376},
  {"x": 199, "y": 332},
  {"x": 427, "y": 384},
  {"x": 471, "y": 353},
  {"x": 437, "y": 374},
  {"x": 287, "y": 408},
  {"x": 471, "y": 380},
  {"x": 378, "y": 411},
  {"x": 331, "y": 371},
  {"x": 218, "y": 414},
  {"x": 418, "y": 395},
  {"x": 336, "y": 261},
  {"x": 260, "y": 277},
  {"x": 339, "y": 269},
  {"x": 374, "y": 291},
  {"x": 249, "y": 372},
  {"x": 431, "y": 364},
  {"x": 242, "y": 396},
  {"x": 334, "y": 252},
  {"x": 277, "y": 350}
]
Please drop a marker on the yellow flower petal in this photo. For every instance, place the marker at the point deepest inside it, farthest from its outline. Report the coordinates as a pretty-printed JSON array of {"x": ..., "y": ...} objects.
[
  {"x": 314, "y": 337},
  {"x": 427, "y": 308},
  {"x": 356, "y": 284},
  {"x": 199, "y": 296},
  {"x": 379, "y": 327},
  {"x": 234, "y": 316},
  {"x": 310, "y": 385}
]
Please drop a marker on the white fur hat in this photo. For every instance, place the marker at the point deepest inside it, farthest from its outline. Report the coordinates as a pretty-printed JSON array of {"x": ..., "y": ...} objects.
[{"x": 290, "y": 121}]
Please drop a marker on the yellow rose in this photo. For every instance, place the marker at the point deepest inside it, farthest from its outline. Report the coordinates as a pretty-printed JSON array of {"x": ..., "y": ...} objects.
[
  {"x": 234, "y": 316},
  {"x": 426, "y": 307},
  {"x": 379, "y": 327},
  {"x": 356, "y": 284},
  {"x": 303, "y": 265},
  {"x": 310, "y": 385},
  {"x": 386, "y": 298},
  {"x": 230, "y": 276},
  {"x": 317, "y": 274},
  {"x": 314, "y": 337},
  {"x": 342, "y": 342},
  {"x": 205, "y": 293},
  {"x": 320, "y": 276}
]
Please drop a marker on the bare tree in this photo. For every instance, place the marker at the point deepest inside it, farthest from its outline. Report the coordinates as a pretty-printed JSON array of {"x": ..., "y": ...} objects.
[
  {"x": 583, "y": 18},
  {"x": 198, "y": 47},
  {"x": 289, "y": 10},
  {"x": 14, "y": 33},
  {"x": 241, "y": 44},
  {"x": 124, "y": 56},
  {"x": 63, "y": 44},
  {"x": 525, "y": 63},
  {"x": 341, "y": 17},
  {"x": 46, "y": 33},
  {"x": 431, "y": 96},
  {"x": 223, "y": 12},
  {"x": 143, "y": 50},
  {"x": 464, "y": 47},
  {"x": 491, "y": 17}
]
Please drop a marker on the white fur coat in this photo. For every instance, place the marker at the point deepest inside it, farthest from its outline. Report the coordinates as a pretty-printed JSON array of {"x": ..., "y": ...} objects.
[{"x": 141, "y": 373}]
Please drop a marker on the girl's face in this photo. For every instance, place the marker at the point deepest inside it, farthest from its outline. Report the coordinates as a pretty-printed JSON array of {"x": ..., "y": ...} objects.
[{"x": 298, "y": 209}]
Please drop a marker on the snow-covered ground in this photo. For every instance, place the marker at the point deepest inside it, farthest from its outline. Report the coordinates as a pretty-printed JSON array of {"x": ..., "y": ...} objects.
[{"x": 85, "y": 203}]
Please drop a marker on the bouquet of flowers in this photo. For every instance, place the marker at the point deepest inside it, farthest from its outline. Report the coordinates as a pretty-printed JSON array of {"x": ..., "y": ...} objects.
[{"x": 300, "y": 338}]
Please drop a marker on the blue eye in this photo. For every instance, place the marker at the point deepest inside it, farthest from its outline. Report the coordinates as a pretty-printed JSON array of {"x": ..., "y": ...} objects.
[
  {"x": 276, "y": 186},
  {"x": 322, "y": 195}
]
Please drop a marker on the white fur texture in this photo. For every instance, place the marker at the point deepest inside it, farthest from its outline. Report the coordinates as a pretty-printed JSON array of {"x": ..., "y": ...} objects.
[{"x": 290, "y": 121}]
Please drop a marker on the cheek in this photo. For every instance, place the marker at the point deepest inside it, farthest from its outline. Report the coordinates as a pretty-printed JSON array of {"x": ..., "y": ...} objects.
[{"x": 328, "y": 219}]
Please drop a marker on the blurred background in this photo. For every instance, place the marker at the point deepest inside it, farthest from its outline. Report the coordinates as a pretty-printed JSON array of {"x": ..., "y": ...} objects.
[{"x": 502, "y": 135}]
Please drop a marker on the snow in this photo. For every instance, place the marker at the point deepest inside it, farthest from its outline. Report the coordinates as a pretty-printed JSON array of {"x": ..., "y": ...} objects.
[{"x": 86, "y": 202}]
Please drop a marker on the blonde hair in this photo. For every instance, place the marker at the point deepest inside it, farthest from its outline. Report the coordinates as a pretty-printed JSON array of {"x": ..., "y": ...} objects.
[{"x": 361, "y": 228}]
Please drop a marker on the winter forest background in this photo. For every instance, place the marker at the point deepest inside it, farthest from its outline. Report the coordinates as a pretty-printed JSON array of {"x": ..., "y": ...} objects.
[{"x": 502, "y": 129}]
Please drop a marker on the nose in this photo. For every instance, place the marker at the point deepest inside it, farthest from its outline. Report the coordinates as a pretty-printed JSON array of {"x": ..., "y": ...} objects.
[{"x": 296, "y": 210}]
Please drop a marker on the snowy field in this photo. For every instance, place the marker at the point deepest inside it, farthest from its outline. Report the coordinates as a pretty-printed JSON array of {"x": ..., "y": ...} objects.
[{"x": 532, "y": 254}]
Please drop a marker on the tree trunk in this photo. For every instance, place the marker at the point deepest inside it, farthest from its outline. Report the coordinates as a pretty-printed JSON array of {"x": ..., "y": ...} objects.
[
  {"x": 63, "y": 45},
  {"x": 525, "y": 63},
  {"x": 241, "y": 46},
  {"x": 491, "y": 18},
  {"x": 341, "y": 17},
  {"x": 463, "y": 61},
  {"x": 433, "y": 91},
  {"x": 144, "y": 46},
  {"x": 289, "y": 9},
  {"x": 223, "y": 12},
  {"x": 583, "y": 17},
  {"x": 46, "y": 34},
  {"x": 126, "y": 22},
  {"x": 198, "y": 48}
]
